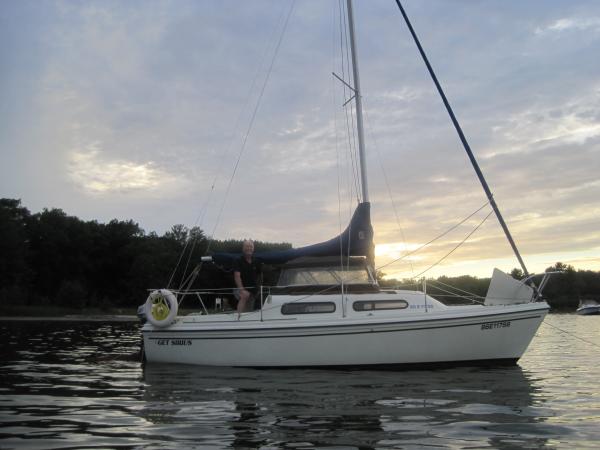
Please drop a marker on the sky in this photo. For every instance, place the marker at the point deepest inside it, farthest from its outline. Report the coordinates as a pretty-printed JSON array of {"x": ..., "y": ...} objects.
[{"x": 225, "y": 115}]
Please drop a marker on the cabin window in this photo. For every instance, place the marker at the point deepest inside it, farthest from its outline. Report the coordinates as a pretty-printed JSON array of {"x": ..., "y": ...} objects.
[
  {"x": 377, "y": 305},
  {"x": 323, "y": 276},
  {"x": 308, "y": 308}
]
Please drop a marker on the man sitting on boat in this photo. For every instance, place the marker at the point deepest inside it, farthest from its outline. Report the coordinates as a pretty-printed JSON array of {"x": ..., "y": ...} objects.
[{"x": 247, "y": 276}]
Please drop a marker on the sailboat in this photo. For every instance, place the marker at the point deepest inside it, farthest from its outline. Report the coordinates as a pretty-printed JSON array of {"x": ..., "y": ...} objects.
[{"x": 327, "y": 308}]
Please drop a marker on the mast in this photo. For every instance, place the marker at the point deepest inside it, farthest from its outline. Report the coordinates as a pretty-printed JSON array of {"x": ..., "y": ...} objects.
[
  {"x": 358, "y": 100},
  {"x": 463, "y": 139}
]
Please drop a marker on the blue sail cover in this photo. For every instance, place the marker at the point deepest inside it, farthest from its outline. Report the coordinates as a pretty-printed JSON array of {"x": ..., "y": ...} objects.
[{"x": 355, "y": 240}]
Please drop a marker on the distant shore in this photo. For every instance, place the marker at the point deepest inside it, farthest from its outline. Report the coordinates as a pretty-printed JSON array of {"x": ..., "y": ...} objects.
[
  {"x": 49, "y": 312},
  {"x": 72, "y": 318},
  {"x": 59, "y": 313}
]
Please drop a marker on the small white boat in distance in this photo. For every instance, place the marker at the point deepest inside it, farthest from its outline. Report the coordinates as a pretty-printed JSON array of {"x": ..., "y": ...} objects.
[{"x": 588, "y": 307}]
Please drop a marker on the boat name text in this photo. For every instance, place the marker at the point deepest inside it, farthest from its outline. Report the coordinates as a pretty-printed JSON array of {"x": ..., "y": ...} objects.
[{"x": 173, "y": 342}]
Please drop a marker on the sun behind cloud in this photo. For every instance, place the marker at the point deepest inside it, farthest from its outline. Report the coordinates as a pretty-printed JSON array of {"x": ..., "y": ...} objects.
[{"x": 93, "y": 173}]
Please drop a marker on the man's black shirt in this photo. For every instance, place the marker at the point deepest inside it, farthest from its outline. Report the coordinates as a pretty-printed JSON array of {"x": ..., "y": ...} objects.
[{"x": 250, "y": 273}]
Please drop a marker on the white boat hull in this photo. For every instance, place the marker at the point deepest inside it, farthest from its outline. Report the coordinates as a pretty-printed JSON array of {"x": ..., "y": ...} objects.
[{"x": 467, "y": 335}]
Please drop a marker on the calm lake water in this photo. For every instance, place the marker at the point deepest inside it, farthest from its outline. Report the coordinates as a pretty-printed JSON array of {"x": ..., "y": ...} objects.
[{"x": 74, "y": 385}]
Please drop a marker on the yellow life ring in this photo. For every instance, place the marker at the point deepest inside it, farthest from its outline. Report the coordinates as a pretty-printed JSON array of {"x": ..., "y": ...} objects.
[{"x": 161, "y": 308}]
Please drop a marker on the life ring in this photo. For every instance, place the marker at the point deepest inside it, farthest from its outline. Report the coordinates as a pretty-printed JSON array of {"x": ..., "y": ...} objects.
[{"x": 161, "y": 308}]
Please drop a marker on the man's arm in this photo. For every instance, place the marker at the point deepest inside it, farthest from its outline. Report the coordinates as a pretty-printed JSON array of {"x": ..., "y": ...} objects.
[{"x": 237, "y": 278}]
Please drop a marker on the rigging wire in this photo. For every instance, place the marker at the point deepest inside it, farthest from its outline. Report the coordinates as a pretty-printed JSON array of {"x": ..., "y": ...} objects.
[
  {"x": 354, "y": 169},
  {"x": 470, "y": 296},
  {"x": 348, "y": 95},
  {"x": 335, "y": 126},
  {"x": 348, "y": 102},
  {"x": 387, "y": 184},
  {"x": 253, "y": 117},
  {"x": 200, "y": 218},
  {"x": 435, "y": 238},
  {"x": 329, "y": 288},
  {"x": 343, "y": 38},
  {"x": 220, "y": 166},
  {"x": 344, "y": 51},
  {"x": 196, "y": 270},
  {"x": 459, "y": 244},
  {"x": 454, "y": 287}
]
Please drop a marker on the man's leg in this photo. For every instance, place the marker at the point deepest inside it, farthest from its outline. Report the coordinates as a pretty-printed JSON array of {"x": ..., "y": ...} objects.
[{"x": 241, "y": 306}]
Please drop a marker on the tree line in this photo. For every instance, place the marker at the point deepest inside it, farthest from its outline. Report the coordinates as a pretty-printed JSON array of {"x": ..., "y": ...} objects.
[
  {"x": 562, "y": 292},
  {"x": 51, "y": 258}
]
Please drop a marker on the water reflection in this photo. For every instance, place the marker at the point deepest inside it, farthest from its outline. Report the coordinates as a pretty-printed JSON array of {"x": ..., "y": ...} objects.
[
  {"x": 365, "y": 409},
  {"x": 68, "y": 385},
  {"x": 74, "y": 385}
]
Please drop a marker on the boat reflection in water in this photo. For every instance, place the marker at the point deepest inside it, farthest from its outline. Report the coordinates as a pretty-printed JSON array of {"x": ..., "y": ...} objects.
[{"x": 367, "y": 409}]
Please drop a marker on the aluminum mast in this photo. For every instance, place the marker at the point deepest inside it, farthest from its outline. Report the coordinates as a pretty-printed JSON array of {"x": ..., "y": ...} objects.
[{"x": 358, "y": 100}]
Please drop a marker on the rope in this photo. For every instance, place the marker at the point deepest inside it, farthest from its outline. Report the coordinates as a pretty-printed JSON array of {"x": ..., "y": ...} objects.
[{"x": 593, "y": 344}]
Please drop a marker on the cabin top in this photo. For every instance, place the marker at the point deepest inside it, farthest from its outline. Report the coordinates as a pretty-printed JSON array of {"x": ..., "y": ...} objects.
[{"x": 326, "y": 275}]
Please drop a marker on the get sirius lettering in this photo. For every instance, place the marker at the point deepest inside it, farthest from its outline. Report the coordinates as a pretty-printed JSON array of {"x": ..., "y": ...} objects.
[{"x": 173, "y": 342}]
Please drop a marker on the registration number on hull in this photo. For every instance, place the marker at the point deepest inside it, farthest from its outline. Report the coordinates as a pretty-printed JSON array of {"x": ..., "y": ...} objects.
[{"x": 494, "y": 325}]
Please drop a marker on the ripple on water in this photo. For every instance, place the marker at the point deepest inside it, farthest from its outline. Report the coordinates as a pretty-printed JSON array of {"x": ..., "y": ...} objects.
[{"x": 81, "y": 385}]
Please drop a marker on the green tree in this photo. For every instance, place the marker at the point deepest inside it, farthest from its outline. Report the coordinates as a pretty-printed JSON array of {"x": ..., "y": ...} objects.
[
  {"x": 516, "y": 273},
  {"x": 15, "y": 273},
  {"x": 178, "y": 233}
]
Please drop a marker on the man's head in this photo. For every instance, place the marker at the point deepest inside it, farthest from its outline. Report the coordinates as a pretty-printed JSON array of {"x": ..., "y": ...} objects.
[{"x": 248, "y": 247}]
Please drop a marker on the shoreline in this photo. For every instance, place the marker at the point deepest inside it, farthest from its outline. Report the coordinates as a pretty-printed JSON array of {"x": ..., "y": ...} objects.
[{"x": 73, "y": 318}]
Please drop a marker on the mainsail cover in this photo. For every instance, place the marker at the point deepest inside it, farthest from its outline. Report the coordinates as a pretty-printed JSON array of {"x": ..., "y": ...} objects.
[{"x": 355, "y": 240}]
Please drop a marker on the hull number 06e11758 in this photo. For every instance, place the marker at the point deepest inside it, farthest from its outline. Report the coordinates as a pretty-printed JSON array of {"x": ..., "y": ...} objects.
[{"x": 493, "y": 325}]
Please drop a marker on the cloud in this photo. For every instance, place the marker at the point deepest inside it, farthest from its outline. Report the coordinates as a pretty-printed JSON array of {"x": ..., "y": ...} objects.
[
  {"x": 96, "y": 175},
  {"x": 538, "y": 128},
  {"x": 571, "y": 23}
]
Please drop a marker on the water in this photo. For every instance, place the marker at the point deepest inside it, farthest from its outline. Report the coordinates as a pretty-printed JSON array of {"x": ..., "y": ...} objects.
[{"x": 80, "y": 385}]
